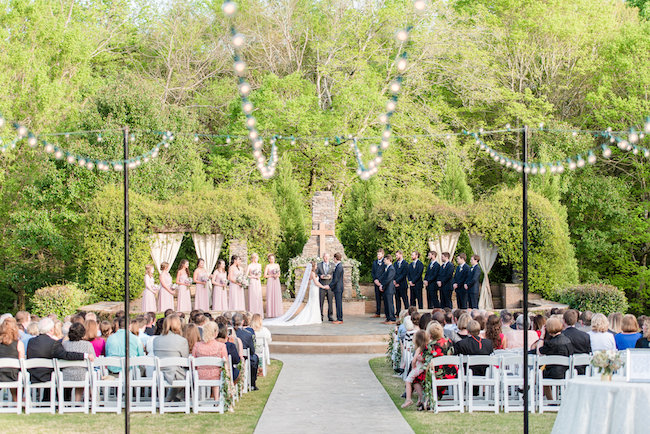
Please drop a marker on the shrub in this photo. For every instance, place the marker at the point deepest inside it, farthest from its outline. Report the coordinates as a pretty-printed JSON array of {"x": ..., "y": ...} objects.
[
  {"x": 61, "y": 300},
  {"x": 597, "y": 298}
]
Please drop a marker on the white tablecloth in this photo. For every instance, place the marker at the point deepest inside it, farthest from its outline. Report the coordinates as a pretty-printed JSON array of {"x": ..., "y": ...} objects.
[{"x": 593, "y": 406}]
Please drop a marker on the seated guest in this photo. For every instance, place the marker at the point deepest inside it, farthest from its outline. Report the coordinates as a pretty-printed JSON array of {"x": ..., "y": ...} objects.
[
  {"x": 506, "y": 321},
  {"x": 493, "y": 332},
  {"x": 474, "y": 345},
  {"x": 76, "y": 343},
  {"x": 629, "y": 333},
  {"x": 171, "y": 343},
  {"x": 92, "y": 336},
  {"x": 461, "y": 332},
  {"x": 248, "y": 341},
  {"x": 401, "y": 330},
  {"x": 425, "y": 319},
  {"x": 150, "y": 329},
  {"x": 106, "y": 329},
  {"x": 438, "y": 316},
  {"x": 231, "y": 348},
  {"x": 261, "y": 332},
  {"x": 450, "y": 323},
  {"x": 555, "y": 344},
  {"x": 11, "y": 347},
  {"x": 515, "y": 338},
  {"x": 116, "y": 345},
  {"x": 441, "y": 346},
  {"x": 644, "y": 342},
  {"x": 191, "y": 333},
  {"x": 210, "y": 347},
  {"x": 615, "y": 319},
  {"x": 23, "y": 320},
  {"x": 580, "y": 340},
  {"x": 538, "y": 324},
  {"x": 600, "y": 339},
  {"x": 416, "y": 377},
  {"x": 584, "y": 324}
]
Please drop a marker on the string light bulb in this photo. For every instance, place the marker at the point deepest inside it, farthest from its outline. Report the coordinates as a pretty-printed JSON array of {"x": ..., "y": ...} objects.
[
  {"x": 419, "y": 5},
  {"x": 238, "y": 40},
  {"x": 229, "y": 8}
]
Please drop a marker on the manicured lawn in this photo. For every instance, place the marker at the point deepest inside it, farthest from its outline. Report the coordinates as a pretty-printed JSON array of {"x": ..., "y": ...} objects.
[
  {"x": 452, "y": 422},
  {"x": 247, "y": 412}
]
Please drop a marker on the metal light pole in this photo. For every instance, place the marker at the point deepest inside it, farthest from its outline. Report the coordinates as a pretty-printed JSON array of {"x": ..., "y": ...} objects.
[
  {"x": 127, "y": 296},
  {"x": 524, "y": 179}
]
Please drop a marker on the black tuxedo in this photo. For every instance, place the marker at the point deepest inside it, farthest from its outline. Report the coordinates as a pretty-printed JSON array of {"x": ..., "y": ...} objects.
[
  {"x": 336, "y": 285},
  {"x": 248, "y": 341},
  {"x": 581, "y": 343},
  {"x": 460, "y": 277},
  {"x": 473, "y": 286},
  {"x": 378, "y": 268},
  {"x": 401, "y": 291},
  {"x": 415, "y": 270},
  {"x": 388, "y": 288},
  {"x": 325, "y": 293},
  {"x": 44, "y": 347},
  {"x": 431, "y": 276},
  {"x": 444, "y": 277}
]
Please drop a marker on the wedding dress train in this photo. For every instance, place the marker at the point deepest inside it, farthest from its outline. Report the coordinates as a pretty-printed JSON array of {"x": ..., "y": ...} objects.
[{"x": 310, "y": 314}]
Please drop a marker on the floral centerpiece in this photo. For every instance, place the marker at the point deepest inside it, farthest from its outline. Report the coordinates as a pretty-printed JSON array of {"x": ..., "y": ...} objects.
[{"x": 607, "y": 363}]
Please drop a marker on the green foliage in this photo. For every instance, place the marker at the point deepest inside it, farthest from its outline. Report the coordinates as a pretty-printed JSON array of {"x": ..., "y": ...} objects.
[
  {"x": 454, "y": 188},
  {"x": 552, "y": 264},
  {"x": 61, "y": 300},
  {"x": 597, "y": 298}
]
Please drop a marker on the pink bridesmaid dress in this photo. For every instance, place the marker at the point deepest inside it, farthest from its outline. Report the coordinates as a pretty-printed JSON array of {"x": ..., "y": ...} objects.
[
  {"x": 273, "y": 294},
  {"x": 165, "y": 299},
  {"x": 255, "y": 303},
  {"x": 237, "y": 301},
  {"x": 149, "y": 294},
  {"x": 220, "y": 293},
  {"x": 184, "y": 301},
  {"x": 202, "y": 294}
]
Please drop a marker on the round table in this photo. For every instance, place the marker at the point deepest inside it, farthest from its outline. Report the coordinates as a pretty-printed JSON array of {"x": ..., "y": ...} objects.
[{"x": 592, "y": 406}]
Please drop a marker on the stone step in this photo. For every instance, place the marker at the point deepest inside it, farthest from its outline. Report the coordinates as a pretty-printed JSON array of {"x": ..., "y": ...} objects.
[
  {"x": 350, "y": 339},
  {"x": 327, "y": 348}
]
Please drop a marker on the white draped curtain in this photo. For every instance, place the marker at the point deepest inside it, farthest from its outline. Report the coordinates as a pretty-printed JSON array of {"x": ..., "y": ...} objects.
[
  {"x": 445, "y": 243},
  {"x": 488, "y": 253},
  {"x": 208, "y": 247},
  {"x": 164, "y": 247}
]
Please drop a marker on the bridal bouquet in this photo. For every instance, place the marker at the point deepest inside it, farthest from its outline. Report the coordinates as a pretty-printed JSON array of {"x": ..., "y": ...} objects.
[
  {"x": 607, "y": 362},
  {"x": 242, "y": 280}
]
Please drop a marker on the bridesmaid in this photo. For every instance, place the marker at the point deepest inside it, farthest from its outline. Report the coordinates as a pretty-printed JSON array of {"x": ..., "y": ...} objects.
[
  {"x": 150, "y": 290},
  {"x": 273, "y": 289},
  {"x": 237, "y": 300},
  {"x": 166, "y": 296},
  {"x": 202, "y": 294},
  {"x": 219, "y": 287},
  {"x": 254, "y": 273},
  {"x": 184, "y": 302}
]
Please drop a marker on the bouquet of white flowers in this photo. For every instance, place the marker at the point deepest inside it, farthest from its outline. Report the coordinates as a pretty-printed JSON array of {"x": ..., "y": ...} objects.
[
  {"x": 607, "y": 363},
  {"x": 256, "y": 273},
  {"x": 242, "y": 280}
]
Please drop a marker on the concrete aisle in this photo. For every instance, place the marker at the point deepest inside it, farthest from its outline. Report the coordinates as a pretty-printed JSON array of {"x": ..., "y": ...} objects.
[{"x": 336, "y": 393}]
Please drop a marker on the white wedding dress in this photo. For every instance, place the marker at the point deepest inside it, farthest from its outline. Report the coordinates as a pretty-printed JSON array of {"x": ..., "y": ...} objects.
[{"x": 310, "y": 314}]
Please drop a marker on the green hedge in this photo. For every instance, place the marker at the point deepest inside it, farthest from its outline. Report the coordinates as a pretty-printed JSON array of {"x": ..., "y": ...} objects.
[
  {"x": 598, "y": 298},
  {"x": 236, "y": 213},
  {"x": 61, "y": 300}
]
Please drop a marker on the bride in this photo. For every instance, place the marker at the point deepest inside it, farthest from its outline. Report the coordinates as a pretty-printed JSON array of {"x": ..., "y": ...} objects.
[{"x": 310, "y": 314}]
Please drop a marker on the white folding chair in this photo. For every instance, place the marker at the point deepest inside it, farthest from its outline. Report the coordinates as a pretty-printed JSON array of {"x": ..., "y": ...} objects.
[
  {"x": 171, "y": 363},
  {"x": 143, "y": 383},
  {"x": 73, "y": 406},
  {"x": 512, "y": 382},
  {"x": 407, "y": 358},
  {"x": 262, "y": 351},
  {"x": 7, "y": 403},
  {"x": 232, "y": 379},
  {"x": 488, "y": 383},
  {"x": 202, "y": 389},
  {"x": 454, "y": 399},
  {"x": 557, "y": 385},
  {"x": 35, "y": 392},
  {"x": 580, "y": 360},
  {"x": 107, "y": 385},
  {"x": 246, "y": 371}
]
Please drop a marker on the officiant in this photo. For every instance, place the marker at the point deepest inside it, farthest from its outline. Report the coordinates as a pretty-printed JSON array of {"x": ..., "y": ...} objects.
[{"x": 324, "y": 272}]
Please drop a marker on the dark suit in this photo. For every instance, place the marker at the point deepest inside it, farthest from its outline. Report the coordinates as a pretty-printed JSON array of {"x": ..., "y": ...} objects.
[
  {"x": 377, "y": 270},
  {"x": 558, "y": 345},
  {"x": 474, "y": 346},
  {"x": 473, "y": 285},
  {"x": 325, "y": 293},
  {"x": 44, "y": 347},
  {"x": 247, "y": 340},
  {"x": 388, "y": 288},
  {"x": 337, "y": 288},
  {"x": 444, "y": 276},
  {"x": 431, "y": 276},
  {"x": 401, "y": 291},
  {"x": 415, "y": 270},
  {"x": 460, "y": 277},
  {"x": 581, "y": 344}
]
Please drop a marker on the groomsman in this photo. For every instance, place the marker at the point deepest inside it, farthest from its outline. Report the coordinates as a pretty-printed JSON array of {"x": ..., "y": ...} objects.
[
  {"x": 430, "y": 278},
  {"x": 415, "y": 279},
  {"x": 460, "y": 277},
  {"x": 377, "y": 270},
  {"x": 472, "y": 284},
  {"x": 401, "y": 285},
  {"x": 388, "y": 289},
  {"x": 444, "y": 280}
]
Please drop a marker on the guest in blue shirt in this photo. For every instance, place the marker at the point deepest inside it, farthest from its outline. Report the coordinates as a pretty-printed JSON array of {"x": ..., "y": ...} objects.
[
  {"x": 629, "y": 335},
  {"x": 115, "y": 345}
]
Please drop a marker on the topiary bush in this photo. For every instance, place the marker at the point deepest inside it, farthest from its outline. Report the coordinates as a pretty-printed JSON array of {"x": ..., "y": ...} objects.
[
  {"x": 61, "y": 300},
  {"x": 598, "y": 298}
]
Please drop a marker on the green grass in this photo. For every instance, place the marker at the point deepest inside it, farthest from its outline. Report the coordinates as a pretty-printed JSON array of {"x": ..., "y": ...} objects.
[
  {"x": 244, "y": 419},
  {"x": 453, "y": 422}
]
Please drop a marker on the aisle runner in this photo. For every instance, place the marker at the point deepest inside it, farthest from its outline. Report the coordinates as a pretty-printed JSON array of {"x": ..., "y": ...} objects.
[{"x": 329, "y": 394}]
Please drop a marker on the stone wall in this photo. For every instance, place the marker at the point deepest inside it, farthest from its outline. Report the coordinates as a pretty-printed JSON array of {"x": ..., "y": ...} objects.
[
  {"x": 323, "y": 213},
  {"x": 239, "y": 248}
]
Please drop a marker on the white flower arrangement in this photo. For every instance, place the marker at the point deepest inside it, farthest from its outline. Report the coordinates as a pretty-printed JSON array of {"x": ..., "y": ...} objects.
[{"x": 607, "y": 362}]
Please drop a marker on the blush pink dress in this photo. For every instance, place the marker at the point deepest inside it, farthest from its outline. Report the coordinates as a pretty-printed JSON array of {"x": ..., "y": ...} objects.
[
  {"x": 273, "y": 293},
  {"x": 212, "y": 348},
  {"x": 149, "y": 294},
  {"x": 184, "y": 302},
  {"x": 165, "y": 299},
  {"x": 255, "y": 303},
  {"x": 202, "y": 294},
  {"x": 237, "y": 301},
  {"x": 220, "y": 293}
]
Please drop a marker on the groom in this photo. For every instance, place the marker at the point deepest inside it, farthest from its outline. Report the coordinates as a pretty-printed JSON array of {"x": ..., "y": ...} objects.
[
  {"x": 336, "y": 285},
  {"x": 324, "y": 271}
]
